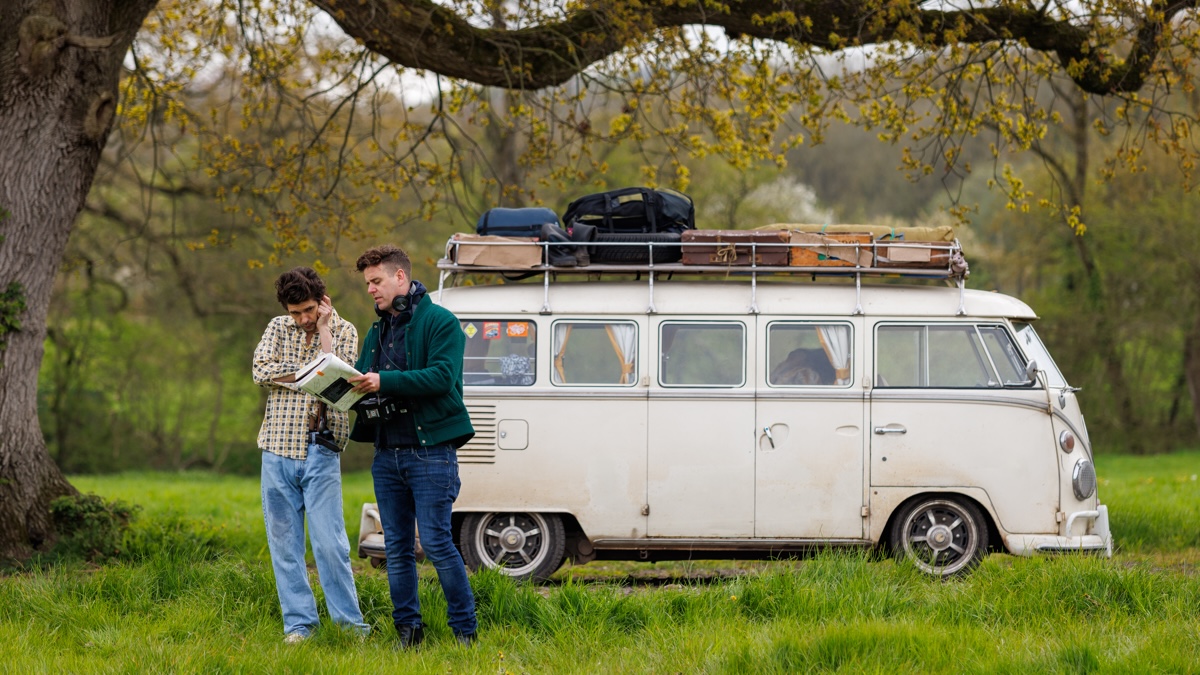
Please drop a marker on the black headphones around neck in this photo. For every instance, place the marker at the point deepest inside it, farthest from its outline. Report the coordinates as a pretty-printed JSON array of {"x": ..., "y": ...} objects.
[{"x": 400, "y": 303}]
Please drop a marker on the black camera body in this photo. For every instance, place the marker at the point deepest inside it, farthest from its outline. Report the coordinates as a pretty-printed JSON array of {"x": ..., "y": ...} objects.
[
  {"x": 375, "y": 409},
  {"x": 325, "y": 439}
]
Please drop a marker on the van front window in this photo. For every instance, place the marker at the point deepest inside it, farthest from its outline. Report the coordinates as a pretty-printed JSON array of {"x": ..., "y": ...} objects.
[
  {"x": 947, "y": 356},
  {"x": 1035, "y": 350}
]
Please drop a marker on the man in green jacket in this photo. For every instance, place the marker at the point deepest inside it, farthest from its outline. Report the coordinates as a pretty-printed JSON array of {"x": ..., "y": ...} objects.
[{"x": 411, "y": 362}]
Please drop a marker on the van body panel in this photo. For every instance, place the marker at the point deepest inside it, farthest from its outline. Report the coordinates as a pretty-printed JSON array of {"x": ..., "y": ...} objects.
[
  {"x": 700, "y": 448},
  {"x": 600, "y": 478},
  {"x": 810, "y": 467},
  {"x": 1003, "y": 448}
]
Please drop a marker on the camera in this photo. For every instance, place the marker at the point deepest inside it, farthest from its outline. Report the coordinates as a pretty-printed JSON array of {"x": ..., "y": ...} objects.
[
  {"x": 374, "y": 409},
  {"x": 325, "y": 439}
]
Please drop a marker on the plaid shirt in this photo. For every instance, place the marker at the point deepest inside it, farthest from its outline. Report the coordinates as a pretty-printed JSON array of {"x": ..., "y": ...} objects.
[{"x": 282, "y": 352}]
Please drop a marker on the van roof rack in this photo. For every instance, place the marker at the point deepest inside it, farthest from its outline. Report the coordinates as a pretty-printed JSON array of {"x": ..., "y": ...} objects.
[{"x": 515, "y": 259}]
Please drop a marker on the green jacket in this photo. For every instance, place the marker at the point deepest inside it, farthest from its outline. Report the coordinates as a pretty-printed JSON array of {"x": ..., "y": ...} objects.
[{"x": 433, "y": 383}]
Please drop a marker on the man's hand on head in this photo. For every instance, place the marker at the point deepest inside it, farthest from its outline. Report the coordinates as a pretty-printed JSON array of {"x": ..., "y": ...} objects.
[{"x": 324, "y": 311}]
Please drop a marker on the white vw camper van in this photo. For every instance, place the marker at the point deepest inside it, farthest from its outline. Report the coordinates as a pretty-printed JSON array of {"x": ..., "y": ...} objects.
[{"x": 753, "y": 412}]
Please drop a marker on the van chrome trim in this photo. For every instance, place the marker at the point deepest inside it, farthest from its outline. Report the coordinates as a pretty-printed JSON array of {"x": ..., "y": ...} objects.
[
  {"x": 814, "y": 393},
  {"x": 676, "y": 395},
  {"x": 700, "y": 544},
  {"x": 557, "y": 394},
  {"x": 910, "y": 395}
]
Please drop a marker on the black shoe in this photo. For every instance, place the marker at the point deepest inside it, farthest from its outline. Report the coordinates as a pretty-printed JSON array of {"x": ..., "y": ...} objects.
[
  {"x": 465, "y": 639},
  {"x": 583, "y": 234},
  {"x": 557, "y": 255},
  {"x": 411, "y": 636}
]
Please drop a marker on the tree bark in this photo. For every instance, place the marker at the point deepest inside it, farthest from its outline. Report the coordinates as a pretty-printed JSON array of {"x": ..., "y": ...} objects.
[{"x": 59, "y": 71}]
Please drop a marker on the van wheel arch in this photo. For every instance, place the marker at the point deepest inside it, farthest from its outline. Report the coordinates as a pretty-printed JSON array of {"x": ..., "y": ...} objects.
[{"x": 987, "y": 536}]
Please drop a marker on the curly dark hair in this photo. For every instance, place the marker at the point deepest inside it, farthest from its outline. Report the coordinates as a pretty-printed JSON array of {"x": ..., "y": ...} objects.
[
  {"x": 298, "y": 285},
  {"x": 391, "y": 257}
]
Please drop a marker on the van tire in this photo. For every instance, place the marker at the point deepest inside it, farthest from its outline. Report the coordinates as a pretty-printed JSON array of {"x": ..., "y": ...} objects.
[
  {"x": 524, "y": 546},
  {"x": 638, "y": 252},
  {"x": 942, "y": 535}
]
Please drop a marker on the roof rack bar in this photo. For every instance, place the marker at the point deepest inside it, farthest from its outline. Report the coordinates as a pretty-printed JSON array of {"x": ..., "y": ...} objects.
[
  {"x": 650, "y": 309},
  {"x": 546, "y": 280},
  {"x": 754, "y": 277}
]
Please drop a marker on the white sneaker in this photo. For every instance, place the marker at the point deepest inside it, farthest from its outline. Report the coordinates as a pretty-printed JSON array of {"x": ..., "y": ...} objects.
[{"x": 294, "y": 638}]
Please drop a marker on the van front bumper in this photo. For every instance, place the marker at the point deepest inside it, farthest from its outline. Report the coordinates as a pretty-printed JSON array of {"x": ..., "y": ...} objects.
[{"x": 1098, "y": 540}]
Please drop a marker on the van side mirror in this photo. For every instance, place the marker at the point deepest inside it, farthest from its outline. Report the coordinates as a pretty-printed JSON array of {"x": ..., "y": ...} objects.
[{"x": 1031, "y": 371}]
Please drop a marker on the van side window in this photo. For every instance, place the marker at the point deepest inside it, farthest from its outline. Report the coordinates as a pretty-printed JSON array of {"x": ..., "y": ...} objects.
[
  {"x": 946, "y": 356},
  {"x": 499, "y": 353},
  {"x": 808, "y": 354},
  {"x": 702, "y": 354},
  {"x": 594, "y": 353}
]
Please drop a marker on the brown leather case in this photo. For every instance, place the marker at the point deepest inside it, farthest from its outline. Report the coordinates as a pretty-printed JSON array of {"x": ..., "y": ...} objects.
[{"x": 733, "y": 247}]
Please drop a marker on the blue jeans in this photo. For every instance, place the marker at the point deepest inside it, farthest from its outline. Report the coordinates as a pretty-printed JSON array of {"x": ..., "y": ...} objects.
[
  {"x": 291, "y": 487},
  {"x": 418, "y": 486}
]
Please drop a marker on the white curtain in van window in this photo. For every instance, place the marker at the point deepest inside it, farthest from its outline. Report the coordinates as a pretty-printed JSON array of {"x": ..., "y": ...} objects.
[
  {"x": 624, "y": 340},
  {"x": 836, "y": 341},
  {"x": 562, "y": 333}
]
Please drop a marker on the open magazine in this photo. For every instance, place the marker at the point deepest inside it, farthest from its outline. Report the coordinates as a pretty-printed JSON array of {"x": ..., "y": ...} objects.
[{"x": 327, "y": 378}]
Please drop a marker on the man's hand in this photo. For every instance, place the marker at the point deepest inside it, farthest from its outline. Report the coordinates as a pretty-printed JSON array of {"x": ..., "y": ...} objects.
[
  {"x": 366, "y": 383},
  {"x": 324, "y": 311}
]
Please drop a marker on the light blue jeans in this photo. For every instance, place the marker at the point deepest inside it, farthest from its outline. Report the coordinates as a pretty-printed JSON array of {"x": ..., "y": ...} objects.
[{"x": 290, "y": 488}]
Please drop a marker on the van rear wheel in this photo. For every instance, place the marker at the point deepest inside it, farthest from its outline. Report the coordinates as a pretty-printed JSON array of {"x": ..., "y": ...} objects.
[
  {"x": 944, "y": 536},
  {"x": 524, "y": 546}
]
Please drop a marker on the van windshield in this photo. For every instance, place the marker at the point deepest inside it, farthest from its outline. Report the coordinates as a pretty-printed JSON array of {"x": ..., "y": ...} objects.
[{"x": 1031, "y": 344}]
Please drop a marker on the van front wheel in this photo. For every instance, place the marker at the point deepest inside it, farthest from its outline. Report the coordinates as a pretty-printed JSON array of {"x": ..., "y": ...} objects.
[
  {"x": 943, "y": 536},
  {"x": 525, "y": 546}
]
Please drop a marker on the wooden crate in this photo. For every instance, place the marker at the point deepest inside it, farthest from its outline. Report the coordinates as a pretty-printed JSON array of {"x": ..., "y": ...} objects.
[
  {"x": 816, "y": 249},
  {"x": 733, "y": 247}
]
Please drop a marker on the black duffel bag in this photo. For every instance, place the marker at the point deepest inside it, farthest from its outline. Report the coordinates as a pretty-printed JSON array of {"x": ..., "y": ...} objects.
[{"x": 633, "y": 210}]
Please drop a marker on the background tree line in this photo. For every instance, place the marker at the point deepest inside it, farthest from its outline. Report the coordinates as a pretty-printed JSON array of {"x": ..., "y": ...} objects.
[{"x": 167, "y": 281}]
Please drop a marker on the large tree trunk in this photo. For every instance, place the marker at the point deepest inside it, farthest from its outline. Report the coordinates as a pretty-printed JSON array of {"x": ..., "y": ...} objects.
[{"x": 60, "y": 63}]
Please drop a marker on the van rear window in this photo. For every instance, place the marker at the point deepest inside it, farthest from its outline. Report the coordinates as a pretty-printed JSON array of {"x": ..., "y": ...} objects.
[
  {"x": 499, "y": 352},
  {"x": 702, "y": 354},
  {"x": 808, "y": 354},
  {"x": 594, "y": 353}
]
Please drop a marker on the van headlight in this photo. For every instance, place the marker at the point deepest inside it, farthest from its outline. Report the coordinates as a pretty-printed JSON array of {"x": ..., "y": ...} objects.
[{"x": 1083, "y": 479}]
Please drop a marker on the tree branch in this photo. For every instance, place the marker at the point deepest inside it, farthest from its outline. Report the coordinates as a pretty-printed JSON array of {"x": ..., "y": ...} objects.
[{"x": 425, "y": 35}]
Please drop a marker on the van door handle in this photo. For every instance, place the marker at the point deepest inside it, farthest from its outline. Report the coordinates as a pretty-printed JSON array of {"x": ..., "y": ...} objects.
[
  {"x": 770, "y": 438},
  {"x": 891, "y": 429}
]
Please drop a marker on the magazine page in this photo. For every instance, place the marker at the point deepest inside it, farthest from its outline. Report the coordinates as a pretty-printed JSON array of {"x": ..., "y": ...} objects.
[{"x": 327, "y": 377}]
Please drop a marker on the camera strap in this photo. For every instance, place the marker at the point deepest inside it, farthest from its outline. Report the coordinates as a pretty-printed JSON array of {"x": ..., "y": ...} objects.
[{"x": 316, "y": 419}]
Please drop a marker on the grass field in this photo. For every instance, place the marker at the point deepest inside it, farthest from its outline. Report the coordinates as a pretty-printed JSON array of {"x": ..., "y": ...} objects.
[{"x": 197, "y": 595}]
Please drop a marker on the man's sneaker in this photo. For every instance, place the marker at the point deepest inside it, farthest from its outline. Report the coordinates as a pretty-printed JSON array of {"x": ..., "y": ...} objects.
[
  {"x": 294, "y": 638},
  {"x": 411, "y": 636},
  {"x": 465, "y": 639}
]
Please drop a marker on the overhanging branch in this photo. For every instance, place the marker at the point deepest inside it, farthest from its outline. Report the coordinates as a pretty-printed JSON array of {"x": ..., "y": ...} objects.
[{"x": 425, "y": 35}]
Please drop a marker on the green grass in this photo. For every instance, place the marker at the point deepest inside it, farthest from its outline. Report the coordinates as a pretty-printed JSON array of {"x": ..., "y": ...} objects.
[{"x": 197, "y": 595}]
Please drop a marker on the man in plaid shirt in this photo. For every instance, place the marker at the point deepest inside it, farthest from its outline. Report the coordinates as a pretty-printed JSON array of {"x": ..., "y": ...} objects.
[{"x": 299, "y": 474}]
